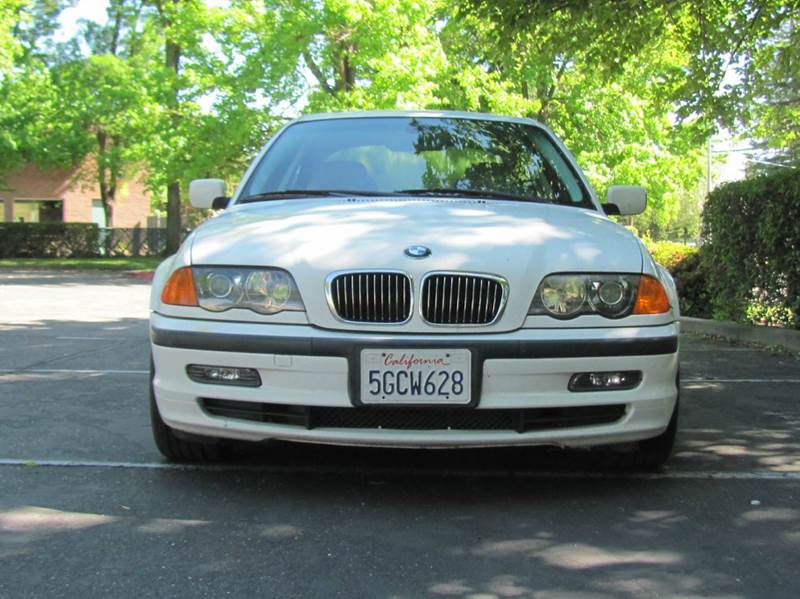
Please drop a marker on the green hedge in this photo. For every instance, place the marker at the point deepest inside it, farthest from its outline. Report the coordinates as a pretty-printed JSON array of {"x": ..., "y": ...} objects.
[
  {"x": 669, "y": 253},
  {"x": 48, "y": 240},
  {"x": 751, "y": 249},
  {"x": 691, "y": 277}
]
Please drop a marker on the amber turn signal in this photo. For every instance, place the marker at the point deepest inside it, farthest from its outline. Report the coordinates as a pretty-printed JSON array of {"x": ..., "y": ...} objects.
[
  {"x": 179, "y": 290},
  {"x": 651, "y": 297}
]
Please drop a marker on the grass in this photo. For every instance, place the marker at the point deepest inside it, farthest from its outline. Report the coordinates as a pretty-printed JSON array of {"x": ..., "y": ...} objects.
[{"x": 133, "y": 263}]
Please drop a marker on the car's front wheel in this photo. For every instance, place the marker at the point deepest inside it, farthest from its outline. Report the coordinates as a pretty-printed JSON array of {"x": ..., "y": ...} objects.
[
  {"x": 653, "y": 453},
  {"x": 649, "y": 454},
  {"x": 173, "y": 446}
]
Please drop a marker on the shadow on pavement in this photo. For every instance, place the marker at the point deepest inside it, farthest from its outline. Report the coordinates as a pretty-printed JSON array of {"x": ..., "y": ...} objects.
[{"x": 291, "y": 535}]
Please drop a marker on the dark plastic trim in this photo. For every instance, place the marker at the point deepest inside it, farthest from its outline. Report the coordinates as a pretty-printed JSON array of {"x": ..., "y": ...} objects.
[
  {"x": 345, "y": 346},
  {"x": 220, "y": 203}
]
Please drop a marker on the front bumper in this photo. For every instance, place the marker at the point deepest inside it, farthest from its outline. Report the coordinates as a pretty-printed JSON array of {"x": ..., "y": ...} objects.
[{"x": 305, "y": 366}]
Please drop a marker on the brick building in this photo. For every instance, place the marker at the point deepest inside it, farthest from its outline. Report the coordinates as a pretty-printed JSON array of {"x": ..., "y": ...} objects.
[{"x": 33, "y": 194}]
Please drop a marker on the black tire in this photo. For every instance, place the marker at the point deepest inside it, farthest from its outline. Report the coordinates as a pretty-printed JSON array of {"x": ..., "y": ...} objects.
[
  {"x": 172, "y": 446},
  {"x": 650, "y": 455},
  {"x": 654, "y": 453}
]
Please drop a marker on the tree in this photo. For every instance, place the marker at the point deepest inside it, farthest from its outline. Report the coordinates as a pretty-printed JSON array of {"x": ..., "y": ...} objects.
[
  {"x": 104, "y": 100},
  {"x": 29, "y": 118},
  {"x": 775, "y": 95},
  {"x": 9, "y": 13},
  {"x": 168, "y": 13},
  {"x": 633, "y": 86},
  {"x": 208, "y": 121},
  {"x": 615, "y": 119},
  {"x": 717, "y": 38},
  {"x": 341, "y": 54}
]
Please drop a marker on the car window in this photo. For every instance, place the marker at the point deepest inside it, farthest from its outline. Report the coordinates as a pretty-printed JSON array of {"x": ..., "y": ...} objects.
[{"x": 391, "y": 154}]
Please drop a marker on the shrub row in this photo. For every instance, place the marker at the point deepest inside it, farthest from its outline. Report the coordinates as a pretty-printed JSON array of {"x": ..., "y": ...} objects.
[
  {"x": 48, "y": 240},
  {"x": 751, "y": 249},
  {"x": 691, "y": 277}
]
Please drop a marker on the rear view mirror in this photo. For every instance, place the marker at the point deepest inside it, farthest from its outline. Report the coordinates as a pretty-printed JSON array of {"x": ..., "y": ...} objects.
[
  {"x": 625, "y": 200},
  {"x": 203, "y": 192}
]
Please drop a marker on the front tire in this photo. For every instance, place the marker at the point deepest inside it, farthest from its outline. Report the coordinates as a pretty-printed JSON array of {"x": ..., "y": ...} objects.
[
  {"x": 173, "y": 447},
  {"x": 649, "y": 455},
  {"x": 653, "y": 453}
]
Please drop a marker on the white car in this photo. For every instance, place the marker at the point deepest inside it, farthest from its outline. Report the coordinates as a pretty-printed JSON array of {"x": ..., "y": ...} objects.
[{"x": 414, "y": 279}]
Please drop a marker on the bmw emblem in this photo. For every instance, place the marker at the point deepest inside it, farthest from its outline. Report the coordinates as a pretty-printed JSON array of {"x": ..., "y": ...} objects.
[{"x": 417, "y": 251}]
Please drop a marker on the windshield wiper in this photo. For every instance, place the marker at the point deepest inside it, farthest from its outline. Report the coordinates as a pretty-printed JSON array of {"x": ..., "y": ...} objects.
[
  {"x": 470, "y": 193},
  {"x": 290, "y": 193},
  {"x": 305, "y": 193}
]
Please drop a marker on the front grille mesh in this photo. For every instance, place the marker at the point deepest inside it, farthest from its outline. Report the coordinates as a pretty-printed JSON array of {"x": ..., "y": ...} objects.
[
  {"x": 461, "y": 299},
  {"x": 520, "y": 420},
  {"x": 372, "y": 297}
]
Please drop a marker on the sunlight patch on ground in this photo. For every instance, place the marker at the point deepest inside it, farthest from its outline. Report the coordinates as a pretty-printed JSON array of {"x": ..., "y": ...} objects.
[
  {"x": 169, "y": 525},
  {"x": 770, "y": 515},
  {"x": 30, "y": 518},
  {"x": 579, "y": 556},
  {"x": 575, "y": 556},
  {"x": 28, "y": 377}
]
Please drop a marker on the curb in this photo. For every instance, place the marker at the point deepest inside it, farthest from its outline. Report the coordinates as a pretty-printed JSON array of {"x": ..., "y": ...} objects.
[{"x": 768, "y": 336}]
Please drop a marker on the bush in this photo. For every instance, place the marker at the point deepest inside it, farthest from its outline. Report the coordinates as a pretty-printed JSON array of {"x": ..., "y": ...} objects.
[
  {"x": 691, "y": 279},
  {"x": 751, "y": 234},
  {"x": 48, "y": 240},
  {"x": 670, "y": 254},
  {"x": 686, "y": 266}
]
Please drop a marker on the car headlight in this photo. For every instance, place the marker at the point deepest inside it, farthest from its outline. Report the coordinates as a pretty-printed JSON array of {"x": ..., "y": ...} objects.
[
  {"x": 611, "y": 295},
  {"x": 263, "y": 290}
]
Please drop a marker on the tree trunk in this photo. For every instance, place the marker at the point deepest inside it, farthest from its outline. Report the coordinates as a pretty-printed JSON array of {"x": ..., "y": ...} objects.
[
  {"x": 172, "y": 61},
  {"x": 108, "y": 189},
  {"x": 118, "y": 6},
  {"x": 173, "y": 217}
]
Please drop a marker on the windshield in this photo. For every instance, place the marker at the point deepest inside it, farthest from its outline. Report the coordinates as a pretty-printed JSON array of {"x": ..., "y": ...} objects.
[{"x": 418, "y": 156}]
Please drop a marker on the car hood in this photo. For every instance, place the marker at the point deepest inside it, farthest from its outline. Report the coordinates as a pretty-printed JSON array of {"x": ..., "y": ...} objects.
[{"x": 520, "y": 241}]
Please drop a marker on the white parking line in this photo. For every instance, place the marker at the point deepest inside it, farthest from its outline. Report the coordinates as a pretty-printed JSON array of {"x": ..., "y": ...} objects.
[
  {"x": 781, "y": 381},
  {"x": 88, "y": 338},
  {"x": 273, "y": 469},
  {"x": 68, "y": 371}
]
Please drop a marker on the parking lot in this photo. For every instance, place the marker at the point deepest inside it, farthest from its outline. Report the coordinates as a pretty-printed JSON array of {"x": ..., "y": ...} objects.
[{"x": 89, "y": 508}]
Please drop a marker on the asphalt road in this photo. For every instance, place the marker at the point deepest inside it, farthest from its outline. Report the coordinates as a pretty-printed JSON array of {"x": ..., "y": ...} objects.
[{"x": 88, "y": 507}]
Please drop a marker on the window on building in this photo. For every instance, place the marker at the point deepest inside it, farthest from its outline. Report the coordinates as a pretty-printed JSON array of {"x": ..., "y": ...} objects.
[
  {"x": 38, "y": 211},
  {"x": 99, "y": 214}
]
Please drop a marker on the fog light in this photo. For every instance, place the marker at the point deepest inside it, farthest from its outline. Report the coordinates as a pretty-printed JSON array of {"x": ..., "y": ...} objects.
[
  {"x": 224, "y": 375},
  {"x": 605, "y": 381}
]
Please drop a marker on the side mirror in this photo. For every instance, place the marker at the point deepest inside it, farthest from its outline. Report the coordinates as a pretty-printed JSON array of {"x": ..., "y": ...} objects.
[
  {"x": 625, "y": 200},
  {"x": 203, "y": 192}
]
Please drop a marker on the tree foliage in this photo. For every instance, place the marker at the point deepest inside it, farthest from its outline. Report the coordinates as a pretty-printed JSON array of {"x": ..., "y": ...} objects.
[
  {"x": 9, "y": 11},
  {"x": 185, "y": 88},
  {"x": 715, "y": 38},
  {"x": 774, "y": 86}
]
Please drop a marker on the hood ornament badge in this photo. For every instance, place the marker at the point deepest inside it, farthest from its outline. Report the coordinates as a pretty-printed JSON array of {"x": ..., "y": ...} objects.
[{"x": 417, "y": 251}]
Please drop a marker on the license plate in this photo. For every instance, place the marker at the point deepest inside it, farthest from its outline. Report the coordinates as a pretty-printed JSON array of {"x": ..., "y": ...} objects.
[{"x": 416, "y": 376}]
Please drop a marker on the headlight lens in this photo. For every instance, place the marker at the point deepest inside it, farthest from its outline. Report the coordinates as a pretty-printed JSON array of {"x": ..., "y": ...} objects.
[
  {"x": 570, "y": 295},
  {"x": 562, "y": 296},
  {"x": 263, "y": 290}
]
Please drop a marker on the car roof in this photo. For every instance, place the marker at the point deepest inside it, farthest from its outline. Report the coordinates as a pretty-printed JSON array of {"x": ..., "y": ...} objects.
[{"x": 452, "y": 114}]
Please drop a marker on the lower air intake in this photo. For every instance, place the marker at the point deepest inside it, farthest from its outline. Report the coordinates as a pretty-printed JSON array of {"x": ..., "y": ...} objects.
[{"x": 519, "y": 420}]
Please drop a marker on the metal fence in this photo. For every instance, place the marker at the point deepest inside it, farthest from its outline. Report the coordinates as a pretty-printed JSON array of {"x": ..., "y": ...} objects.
[{"x": 132, "y": 242}]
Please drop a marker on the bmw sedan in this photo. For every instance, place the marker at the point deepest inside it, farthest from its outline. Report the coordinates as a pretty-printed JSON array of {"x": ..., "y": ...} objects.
[{"x": 414, "y": 279}]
